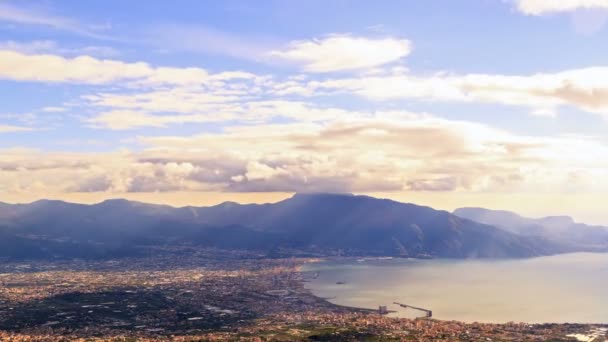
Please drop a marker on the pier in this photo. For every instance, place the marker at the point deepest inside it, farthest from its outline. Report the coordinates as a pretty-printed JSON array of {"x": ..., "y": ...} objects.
[{"x": 428, "y": 313}]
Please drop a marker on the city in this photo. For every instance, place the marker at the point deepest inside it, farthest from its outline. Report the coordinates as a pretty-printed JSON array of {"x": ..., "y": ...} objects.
[{"x": 213, "y": 294}]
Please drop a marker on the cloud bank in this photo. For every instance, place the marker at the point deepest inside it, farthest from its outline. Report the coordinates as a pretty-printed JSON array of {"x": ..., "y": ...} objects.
[{"x": 387, "y": 152}]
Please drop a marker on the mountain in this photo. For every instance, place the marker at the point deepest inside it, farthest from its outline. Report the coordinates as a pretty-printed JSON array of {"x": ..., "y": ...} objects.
[
  {"x": 560, "y": 230},
  {"x": 366, "y": 225},
  {"x": 317, "y": 224}
]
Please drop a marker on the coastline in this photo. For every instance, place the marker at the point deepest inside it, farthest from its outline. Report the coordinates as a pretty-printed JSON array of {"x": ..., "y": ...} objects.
[
  {"x": 332, "y": 291},
  {"x": 230, "y": 299}
]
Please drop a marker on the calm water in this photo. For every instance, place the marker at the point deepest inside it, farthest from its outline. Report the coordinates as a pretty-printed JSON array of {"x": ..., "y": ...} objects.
[{"x": 564, "y": 288}]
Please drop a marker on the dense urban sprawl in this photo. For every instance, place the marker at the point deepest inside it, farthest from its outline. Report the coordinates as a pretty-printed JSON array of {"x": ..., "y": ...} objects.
[{"x": 213, "y": 295}]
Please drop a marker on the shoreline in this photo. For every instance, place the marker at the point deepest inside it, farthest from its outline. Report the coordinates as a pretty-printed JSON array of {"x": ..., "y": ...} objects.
[
  {"x": 370, "y": 310},
  {"x": 238, "y": 299}
]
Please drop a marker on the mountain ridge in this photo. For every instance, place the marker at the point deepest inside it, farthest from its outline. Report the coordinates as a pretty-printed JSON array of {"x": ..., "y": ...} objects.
[
  {"x": 305, "y": 224},
  {"x": 558, "y": 228}
]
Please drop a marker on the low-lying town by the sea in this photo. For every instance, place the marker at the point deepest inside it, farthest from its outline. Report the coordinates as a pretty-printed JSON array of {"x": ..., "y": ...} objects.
[{"x": 216, "y": 295}]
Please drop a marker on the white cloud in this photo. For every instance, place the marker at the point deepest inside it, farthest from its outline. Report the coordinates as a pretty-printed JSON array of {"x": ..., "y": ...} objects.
[
  {"x": 125, "y": 119},
  {"x": 587, "y": 16},
  {"x": 318, "y": 146},
  {"x": 257, "y": 171},
  {"x": 11, "y": 128},
  {"x": 539, "y": 7},
  {"x": 343, "y": 52},
  {"x": 195, "y": 91},
  {"x": 410, "y": 152},
  {"x": 586, "y": 89},
  {"x": 389, "y": 151},
  {"x": 129, "y": 112},
  {"x": 419, "y": 153},
  {"x": 84, "y": 69}
]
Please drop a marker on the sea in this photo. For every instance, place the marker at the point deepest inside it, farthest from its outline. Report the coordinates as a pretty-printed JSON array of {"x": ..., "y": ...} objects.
[{"x": 566, "y": 288}]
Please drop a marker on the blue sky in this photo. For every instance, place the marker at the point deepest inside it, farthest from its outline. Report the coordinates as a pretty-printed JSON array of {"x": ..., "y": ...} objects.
[{"x": 477, "y": 102}]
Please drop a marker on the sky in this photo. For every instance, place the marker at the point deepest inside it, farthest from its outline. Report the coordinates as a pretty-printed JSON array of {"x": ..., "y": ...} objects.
[{"x": 493, "y": 103}]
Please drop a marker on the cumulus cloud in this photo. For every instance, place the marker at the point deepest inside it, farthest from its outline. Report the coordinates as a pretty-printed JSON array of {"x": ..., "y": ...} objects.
[
  {"x": 586, "y": 88},
  {"x": 187, "y": 105},
  {"x": 177, "y": 100},
  {"x": 387, "y": 152},
  {"x": 343, "y": 52},
  {"x": 194, "y": 91},
  {"x": 84, "y": 69},
  {"x": 287, "y": 133},
  {"x": 539, "y": 7},
  {"x": 26, "y": 170},
  {"x": 420, "y": 154},
  {"x": 587, "y": 16}
]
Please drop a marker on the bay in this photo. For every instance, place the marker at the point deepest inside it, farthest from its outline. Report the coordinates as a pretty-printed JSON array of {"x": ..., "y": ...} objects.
[{"x": 556, "y": 289}]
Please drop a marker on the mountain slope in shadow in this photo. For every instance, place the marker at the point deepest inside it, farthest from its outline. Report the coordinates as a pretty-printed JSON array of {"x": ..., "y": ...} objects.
[{"x": 323, "y": 224}]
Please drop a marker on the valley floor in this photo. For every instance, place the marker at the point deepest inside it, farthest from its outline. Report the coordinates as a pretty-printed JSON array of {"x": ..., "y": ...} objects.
[{"x": 212, "y": 295}]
